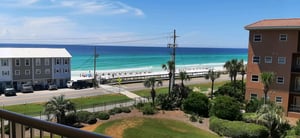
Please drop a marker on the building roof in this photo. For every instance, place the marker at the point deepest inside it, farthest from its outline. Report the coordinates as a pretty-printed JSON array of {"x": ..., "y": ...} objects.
[
  {"x": 34, "y": 53},
  {"x": 291, "y": 23}
]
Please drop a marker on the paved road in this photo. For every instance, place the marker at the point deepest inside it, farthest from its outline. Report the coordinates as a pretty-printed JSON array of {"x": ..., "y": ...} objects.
[{"x": 45, "y": 95}]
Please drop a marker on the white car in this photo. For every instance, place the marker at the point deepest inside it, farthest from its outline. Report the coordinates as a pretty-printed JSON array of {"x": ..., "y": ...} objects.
[{"x": 69, "y": 84}]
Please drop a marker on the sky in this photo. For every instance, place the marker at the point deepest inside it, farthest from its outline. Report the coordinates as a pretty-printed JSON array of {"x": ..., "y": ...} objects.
[{"x": 198, "y": 23}]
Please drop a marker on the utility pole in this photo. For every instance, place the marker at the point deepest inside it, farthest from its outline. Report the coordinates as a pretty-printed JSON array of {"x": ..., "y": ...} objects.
[
  {"x": 95, "y": 84},
  {"x": 174, "y": 45}
]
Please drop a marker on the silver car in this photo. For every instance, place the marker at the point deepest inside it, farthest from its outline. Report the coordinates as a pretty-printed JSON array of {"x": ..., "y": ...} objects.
[{"x": 26, "y": 88}]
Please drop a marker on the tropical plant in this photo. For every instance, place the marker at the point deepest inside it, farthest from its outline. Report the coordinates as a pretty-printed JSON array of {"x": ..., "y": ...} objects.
[
  {"x": 271, "y": 115},
  {"x": 243, "y": 73},
  {"x": 151, "y": 83},
  {"x": 170, "y": 66},
  {"x": 233, "y": 67},
  {"x": 183, "y": 77},
  {"x": 231, "y": 89},
  {"x": 196, "y": 103},
  {"x": 267, "y": 79},
  {"x": 212, "y": 75},
  {"x": 59, "y": 106},
  {"x": 225, "y": 107}
]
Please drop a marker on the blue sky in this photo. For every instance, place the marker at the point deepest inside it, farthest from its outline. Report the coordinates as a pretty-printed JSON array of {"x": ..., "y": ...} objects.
[{"x": 199, "y": 23}]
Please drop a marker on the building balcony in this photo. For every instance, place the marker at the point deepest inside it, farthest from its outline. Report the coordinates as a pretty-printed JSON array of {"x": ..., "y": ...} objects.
[{"x": 18, "y": 124}]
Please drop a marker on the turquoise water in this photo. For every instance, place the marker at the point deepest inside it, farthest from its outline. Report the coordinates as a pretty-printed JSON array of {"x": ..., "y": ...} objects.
[{"x": 124, "y": 57}]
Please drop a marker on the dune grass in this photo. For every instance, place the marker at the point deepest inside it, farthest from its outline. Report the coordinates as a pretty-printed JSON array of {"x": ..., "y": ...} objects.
[
  {"x": 154, "y": 128},
  {"x": 35, "y": 109}
]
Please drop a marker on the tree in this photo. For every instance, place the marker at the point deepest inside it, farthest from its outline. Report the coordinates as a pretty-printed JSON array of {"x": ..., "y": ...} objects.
[
  {"x": 232, "y": 90},
  {"x": 59, "y": 106},
  {"x": 271, "y": 115},
  {"x": 225, "y": 107},
  {"x": 150, "y": 83},
  {"x": 196, "y": 103},
  {"x": 212, "y": 75},
  {"x": 233, "y": 67},
  {"x": 267, "y": 79},
  {"x": 243, "y": 73},
  {"x": 170, "y": 66},
  {"x": 183, "y": 77}
]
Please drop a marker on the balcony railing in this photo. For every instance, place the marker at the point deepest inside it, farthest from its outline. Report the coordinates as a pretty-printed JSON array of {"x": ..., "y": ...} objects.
[
  {"x": 294, "y": 108},
  {"x": 17, "y": 124}
]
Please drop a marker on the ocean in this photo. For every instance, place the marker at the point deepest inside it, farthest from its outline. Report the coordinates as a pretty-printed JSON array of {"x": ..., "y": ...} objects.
[{"x": 142, "y": 58}]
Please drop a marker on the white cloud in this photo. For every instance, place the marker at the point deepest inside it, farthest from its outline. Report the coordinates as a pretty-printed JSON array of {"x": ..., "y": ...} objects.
[{"x": 102, "y": 7}]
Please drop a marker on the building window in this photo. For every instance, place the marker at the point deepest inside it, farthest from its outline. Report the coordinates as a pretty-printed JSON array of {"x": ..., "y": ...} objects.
[
  {"x": 255, "y": 59},
  {"x": 283, "y": 37},
  {"x": 253, "y": 96},
  {"x": 47, "y": 71},
  {"x": 17, "y": 62},
  {"x": 5, "y": 73},
  {"x": 47, "y": 61},
  {"x": 278, "y": 99},
  {"x": 281, "y": 60},
  {"x": 27, "y": 72},
  {"x": 297, "y": 84},
  {"x": 57, "y": 70},
  {"x": 27, "y": 62},
  {"x": 268, "y": 59},
  {"x": 4, "y": 62},
  {"x": 257, "y": 38},
  {"x": 66, "y": 70},
  {"x": 38, "y": 62},
  {"x": 280, "y": 80},
  {"x": 17, "y": 72},
  {"x": 254, "y": 78},
  {"x": 66, "y": 61},
  {"x": 38, "y": 71},
  {"x": 57, "y": 61}
]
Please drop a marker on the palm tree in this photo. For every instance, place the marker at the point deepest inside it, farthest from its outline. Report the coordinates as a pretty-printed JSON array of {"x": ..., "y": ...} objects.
[
  {"x": 150, "y": 83},
  {"x": 243, "y": 73},
  {"x": 267, "y": 79},
  {"x": 212, "y": 75},
  {"x": 271, "y": 115},
  {"x": 233, "y": 67},
  {"x": 59, "y": 106},
  {"x": 183, "y": 77},
  {"x": 170, "y": 66}
]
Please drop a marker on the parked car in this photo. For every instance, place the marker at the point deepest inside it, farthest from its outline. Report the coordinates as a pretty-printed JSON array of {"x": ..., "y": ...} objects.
[
  {"x": 69, "y": 84},
  {"x": 26, "y": 88},
  {"x": 9, "y": 92},
  {"x": 52, "y": 87}
]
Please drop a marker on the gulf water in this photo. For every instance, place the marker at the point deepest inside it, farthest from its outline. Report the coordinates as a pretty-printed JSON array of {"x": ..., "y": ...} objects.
[{"x": 150, "y": 58}]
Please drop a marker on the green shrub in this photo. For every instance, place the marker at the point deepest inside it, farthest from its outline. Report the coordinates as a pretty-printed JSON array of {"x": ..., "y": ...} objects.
[
  {"x": 193, "y": 118},
  {"x": 297, "y": 128},
  {"x": 111, "y": 112},
  {"x": 117, "y": 110},
  {"x": 200, "y": 120},
  {"x": 148, "y": 109},
  {"x": 226, "y": 107},
  {"x": 249, "y": 117},
  {"x": 253, "y": 105},
  {"x": 71, "y": 118},
  {"x": 91, "y": 119},
  {"x": 126, "y": 110},
  {"x": 237, "y": 129},
  {"x": 83, "y": 116},
  {"x": 103, "y": 115},
  {"x": 196, "y": 103},
  {"x": 139, "y": 106}
]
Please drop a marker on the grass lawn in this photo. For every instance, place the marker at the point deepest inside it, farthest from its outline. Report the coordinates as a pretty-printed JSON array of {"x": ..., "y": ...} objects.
[
  {"x": 153, "y": 128},
  {"x": 203, "y": 87},
  {"x": 35, "y": 109}
]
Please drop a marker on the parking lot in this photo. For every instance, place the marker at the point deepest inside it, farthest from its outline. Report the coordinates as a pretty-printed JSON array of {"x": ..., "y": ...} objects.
[{"x": 45, "y": 95}]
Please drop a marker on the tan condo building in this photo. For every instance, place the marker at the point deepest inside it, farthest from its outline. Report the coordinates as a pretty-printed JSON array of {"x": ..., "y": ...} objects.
[{"x": 274, "y": 46}]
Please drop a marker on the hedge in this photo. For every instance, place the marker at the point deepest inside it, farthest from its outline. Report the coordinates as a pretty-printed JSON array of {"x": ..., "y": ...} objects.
[{"x": 237, "y": 129}]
